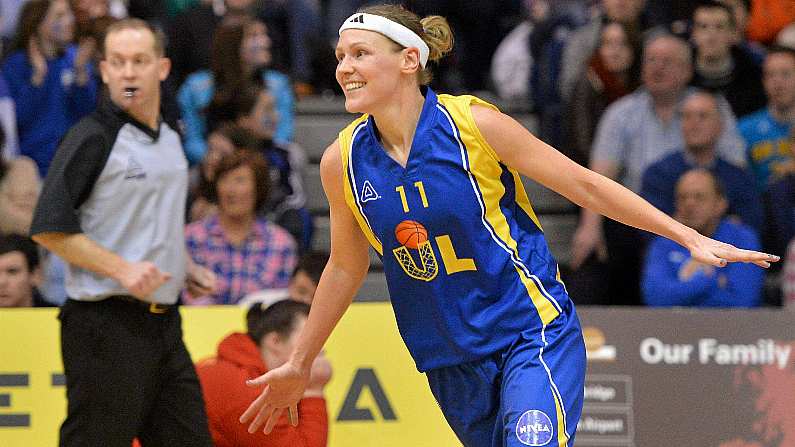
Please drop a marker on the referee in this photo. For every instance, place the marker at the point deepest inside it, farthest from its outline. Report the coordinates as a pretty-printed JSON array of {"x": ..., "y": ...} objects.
[{"x": 113, "y": 207}]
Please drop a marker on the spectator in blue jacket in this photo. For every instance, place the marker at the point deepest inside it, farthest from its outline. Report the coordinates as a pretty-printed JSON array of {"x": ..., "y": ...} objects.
[
  {"x": 701, "y": 130},
  {"x": 240, "y": 56},
  {"x": 672, "y": 278},
  {"x": 49, "y": 78},
  {"x": 771, "y": 154}
]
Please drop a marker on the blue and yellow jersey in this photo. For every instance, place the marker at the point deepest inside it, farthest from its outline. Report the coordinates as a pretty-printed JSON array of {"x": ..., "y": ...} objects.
[
  {"x": 478, "y": 272},
  {"x": 768, "y": 146}
]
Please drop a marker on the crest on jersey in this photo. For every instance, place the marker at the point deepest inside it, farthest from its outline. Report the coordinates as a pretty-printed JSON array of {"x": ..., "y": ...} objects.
[
  {"x": 368, "y": 192},
  {"x": 429, "y": 266},
  {"x": 134, "y": 169}
]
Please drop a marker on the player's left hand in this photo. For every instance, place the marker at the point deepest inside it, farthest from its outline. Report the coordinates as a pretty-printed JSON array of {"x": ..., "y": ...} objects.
[
  {"x": 719, "y": 254},
  {"x": 200, "y": 281}
]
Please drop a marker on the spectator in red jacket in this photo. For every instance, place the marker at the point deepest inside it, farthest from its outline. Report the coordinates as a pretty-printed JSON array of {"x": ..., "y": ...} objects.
[{"x": 272, "y": 332}]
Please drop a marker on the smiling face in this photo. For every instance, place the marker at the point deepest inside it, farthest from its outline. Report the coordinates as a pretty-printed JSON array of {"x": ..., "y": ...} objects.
[
  {"x": 368, "y": 69},
  {"x": 237, "y": 193}
]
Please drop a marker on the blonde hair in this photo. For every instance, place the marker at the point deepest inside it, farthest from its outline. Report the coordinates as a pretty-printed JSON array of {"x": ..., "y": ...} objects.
[{"x": 433, "y": 30}]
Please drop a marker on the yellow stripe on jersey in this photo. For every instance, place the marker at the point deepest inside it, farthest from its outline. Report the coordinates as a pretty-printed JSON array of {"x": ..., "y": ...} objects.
[
  {"x": 559, "y": 279},
  {"x": 485, "y": 168},
  {"x": 523, "y": 200},
  {"x": 563, "y": 437},
  {"x": 346, "y": 141}
]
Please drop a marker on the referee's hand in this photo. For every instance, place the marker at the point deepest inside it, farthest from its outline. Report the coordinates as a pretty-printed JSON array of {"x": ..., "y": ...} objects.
[{"x": 142, "y": 278}]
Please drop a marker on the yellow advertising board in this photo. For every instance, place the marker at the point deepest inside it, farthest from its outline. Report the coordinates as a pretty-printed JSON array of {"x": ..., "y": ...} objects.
[{"x": 375, "y": 398}]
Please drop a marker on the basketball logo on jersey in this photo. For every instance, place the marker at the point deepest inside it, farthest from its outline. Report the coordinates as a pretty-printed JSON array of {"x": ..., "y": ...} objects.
[
  {"x": 368, "y": 192},
  {"x": 534, "y": 428},
  {"x": 413, "y": 235}
]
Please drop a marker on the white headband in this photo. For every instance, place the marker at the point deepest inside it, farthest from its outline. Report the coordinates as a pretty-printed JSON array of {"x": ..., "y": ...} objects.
[{"x": 390, "y": 29}]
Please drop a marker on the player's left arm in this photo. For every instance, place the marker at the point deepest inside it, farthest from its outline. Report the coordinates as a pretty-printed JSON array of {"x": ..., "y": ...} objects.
[{"x": 518, "y": 148}]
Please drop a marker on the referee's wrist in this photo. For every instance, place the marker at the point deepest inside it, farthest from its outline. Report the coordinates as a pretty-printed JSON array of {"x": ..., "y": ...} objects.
[{"x": 117, "y": 269}]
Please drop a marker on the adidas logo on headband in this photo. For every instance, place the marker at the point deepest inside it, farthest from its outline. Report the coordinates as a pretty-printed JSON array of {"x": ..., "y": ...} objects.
[{"x": 390, "y": 29}]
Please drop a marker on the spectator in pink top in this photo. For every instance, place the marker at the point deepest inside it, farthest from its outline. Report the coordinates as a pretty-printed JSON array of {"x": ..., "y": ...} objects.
[{"x": 246, "y": 252}]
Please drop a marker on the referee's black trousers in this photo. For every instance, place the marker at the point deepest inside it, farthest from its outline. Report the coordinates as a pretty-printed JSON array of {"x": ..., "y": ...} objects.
[{"x": 128, "y": 375}]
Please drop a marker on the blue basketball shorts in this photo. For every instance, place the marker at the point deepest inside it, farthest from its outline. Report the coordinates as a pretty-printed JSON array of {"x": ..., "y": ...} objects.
[{"x": 530, "y": 394}]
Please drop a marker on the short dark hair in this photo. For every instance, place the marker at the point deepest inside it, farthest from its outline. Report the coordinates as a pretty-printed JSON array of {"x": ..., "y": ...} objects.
[
  {"x": 16, "y": 242},
  {"x": 312, "y": 263},
  {"x": 698, "y": 91},
  {"x": 240, "y": 137},
  {"x": 279, "y": 317},
  {"x": 713, "y": 4},
  {"x": 258, "y": 165},
  {"x": 133, "y": 23},
  {"x": 780, "y": 49},
  {"x": 717, "y": 184}
]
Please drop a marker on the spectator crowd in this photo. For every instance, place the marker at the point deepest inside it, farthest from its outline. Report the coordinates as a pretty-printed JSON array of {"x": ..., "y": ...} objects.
[{"x": 689, "y": 103}]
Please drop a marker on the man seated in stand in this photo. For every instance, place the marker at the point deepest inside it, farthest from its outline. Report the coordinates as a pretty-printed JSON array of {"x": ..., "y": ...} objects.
[{"x": 672, "y": 278}]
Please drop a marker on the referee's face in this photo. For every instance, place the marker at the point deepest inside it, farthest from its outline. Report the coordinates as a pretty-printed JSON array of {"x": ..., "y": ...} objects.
[{"x": 132, "y": 70}]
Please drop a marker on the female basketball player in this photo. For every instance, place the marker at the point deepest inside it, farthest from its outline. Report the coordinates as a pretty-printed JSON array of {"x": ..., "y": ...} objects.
[{"x": 431, "y": 182}]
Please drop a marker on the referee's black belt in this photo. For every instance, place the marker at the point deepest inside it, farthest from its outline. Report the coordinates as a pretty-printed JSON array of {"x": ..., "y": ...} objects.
[{"x": 153, "y": 308}]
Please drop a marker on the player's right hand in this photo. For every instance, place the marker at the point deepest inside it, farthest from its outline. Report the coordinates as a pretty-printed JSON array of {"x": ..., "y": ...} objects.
[
  {"x": 141, "y": 279},
  {"x": 284, "y": 387}
]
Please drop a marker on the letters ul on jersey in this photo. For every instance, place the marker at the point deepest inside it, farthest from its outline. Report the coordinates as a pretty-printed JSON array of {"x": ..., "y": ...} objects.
[{"x": 484, "y": 272}]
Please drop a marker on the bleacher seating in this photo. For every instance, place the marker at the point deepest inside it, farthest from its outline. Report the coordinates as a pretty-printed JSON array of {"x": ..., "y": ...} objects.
[{"x": 318, "y": 120}]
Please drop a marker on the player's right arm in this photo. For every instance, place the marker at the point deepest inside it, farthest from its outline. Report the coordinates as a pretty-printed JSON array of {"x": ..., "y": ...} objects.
[{"x": 341, "y": 279}]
